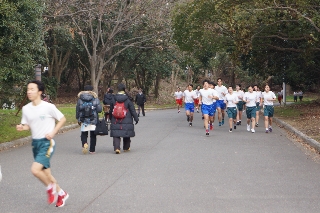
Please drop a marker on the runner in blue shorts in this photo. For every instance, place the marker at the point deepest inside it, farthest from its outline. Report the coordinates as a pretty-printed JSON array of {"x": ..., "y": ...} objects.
[
  {"x": 221, "y": 106},
  {"x": 40, "y": 117},
  {"x": 214, "y": 104},
  {"x": 189, "y": 97},
  {"x": 206, "y": 99}
]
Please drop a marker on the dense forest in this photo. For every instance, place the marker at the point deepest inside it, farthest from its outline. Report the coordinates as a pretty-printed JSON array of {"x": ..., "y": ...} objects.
[{"x": 144, "y": 42}]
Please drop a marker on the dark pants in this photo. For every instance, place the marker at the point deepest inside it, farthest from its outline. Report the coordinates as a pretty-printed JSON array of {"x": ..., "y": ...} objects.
[
  {"x": 93, "y": 140},
  {"x": 142, "y": 108},
  {"x": 117, "y": 141}
]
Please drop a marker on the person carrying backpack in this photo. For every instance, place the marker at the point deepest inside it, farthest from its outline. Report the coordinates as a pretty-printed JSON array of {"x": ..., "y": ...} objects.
[
  {"x": 122, "y": 116},
  {"x": 107, "y": 100},
  {"x": 87, "y": 109}
]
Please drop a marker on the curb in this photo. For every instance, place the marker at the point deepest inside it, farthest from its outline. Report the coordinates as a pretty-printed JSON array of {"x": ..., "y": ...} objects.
[
  {"x": 311, "y": 142},
  {"x": 26, "y": 140}
]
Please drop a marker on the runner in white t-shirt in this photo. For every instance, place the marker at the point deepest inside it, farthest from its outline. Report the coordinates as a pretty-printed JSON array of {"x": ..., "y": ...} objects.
[
  {"x": 268, "y": 98},
  {"x": 258, "y": 103},
  {"x": 196, "y": 101},
  {"x": 240, "y": 95},
  {"x": 212, "y": 85},
  {"x": 231, "y": 101},
  {"x": 189, "y": 97},
  {"x": 221, "y": 106},
  {"x": 40, "y": 117},
  {"x": 250, "y": 98},
  {"x": 178, "y": 96},
  {"x": 206, "y": 99}
]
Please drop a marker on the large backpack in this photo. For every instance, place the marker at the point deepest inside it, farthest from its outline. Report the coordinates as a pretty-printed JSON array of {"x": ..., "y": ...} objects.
[
  {"x": 119, "y": 111},
  {"x": 87, "y": 112}
]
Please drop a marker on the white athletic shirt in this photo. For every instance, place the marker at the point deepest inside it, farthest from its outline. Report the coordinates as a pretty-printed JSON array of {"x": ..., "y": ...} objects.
[
  {"x": 221, "y": 90},
  {"x": 204, "y": 93},
  {"x": 230, "y": 98},
  {"x": 178, "y": 95},
  {"x": 40, "y": 118},
  {"x": 189, "y": 96},
  {"x": 267, "y": 96},
  {"x": 252, "y": 97},
  {"x": 240, "y": 94},
  {"x": 215, "y": 93},
  {"x": 259, "y": 95}
]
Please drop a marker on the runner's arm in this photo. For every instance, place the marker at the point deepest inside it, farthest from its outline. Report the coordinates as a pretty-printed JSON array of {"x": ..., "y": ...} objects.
[{"x": 22, "y": 127}]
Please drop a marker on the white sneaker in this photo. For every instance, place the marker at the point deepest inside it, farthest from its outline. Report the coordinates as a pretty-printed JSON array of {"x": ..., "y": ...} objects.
[
  {"x": 248, "y": 128},
  {"x": 253, "y": 131}
]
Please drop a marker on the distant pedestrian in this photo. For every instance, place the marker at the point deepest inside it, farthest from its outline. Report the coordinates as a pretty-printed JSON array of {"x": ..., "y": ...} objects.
[
  {"x": 295, "y": 96},
  {"x": 87, "y": 109},
  {"x": 123, "y": 113},
  {"x": 140, "y": 101},
  {"x": 178, "y": 96},
  {"x": 40, "y": 117},
  {"x": 280, "y": 96},
  {"x": 108, "y": 98},
  {"x": 300, "y": 93},
  {"x": 268, "y": 98}
]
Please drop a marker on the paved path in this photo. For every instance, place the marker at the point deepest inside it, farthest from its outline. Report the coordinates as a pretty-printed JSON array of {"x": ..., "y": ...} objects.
[{"x": 171, "y": 168}]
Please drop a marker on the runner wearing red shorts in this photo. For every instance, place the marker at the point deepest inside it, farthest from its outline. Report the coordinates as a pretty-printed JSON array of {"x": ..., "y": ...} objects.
[
  {"x": 196, "y": 101},
  {"x": 178, "y": 96}
]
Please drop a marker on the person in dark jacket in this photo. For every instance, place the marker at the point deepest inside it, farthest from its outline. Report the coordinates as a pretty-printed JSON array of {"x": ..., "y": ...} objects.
[
  {"x": 88, "y": 124},
  {"x": 123, "y": 128},
  {"x": 140, "y": 100},
  {"x": 107, "y": 100}
]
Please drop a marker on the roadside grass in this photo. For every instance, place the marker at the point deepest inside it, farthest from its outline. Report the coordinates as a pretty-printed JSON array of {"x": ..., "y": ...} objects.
[{"x": 9, "y": 120}]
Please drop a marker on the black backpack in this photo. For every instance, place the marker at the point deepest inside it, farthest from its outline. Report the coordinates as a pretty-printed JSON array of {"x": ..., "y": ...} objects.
[{"x": 87, "y": 111}]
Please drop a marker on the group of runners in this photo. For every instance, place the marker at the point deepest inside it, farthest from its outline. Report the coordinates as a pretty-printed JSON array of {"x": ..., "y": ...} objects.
[{"x": 214, "y": 99}]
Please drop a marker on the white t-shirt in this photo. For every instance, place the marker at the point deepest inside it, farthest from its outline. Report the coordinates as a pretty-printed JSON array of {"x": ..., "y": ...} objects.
[
  {"x": 259, "y": 95},
  {"x": 221, "y": 90},
  {"x": 268, "y": 96},
  {"x": 205, "y": 93},
  {"x": 40, "y": 118},
  {"x": 252, "y": 97},
  {"x": 231, "y": 98},
  {"x": 189, "y": 96},
  {"x": 240, "y": 94},
  {"x": 178, "y": 95}
]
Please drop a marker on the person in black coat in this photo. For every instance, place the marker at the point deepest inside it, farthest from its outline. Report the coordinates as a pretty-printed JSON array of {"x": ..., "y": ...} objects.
[
  {"x": 123, "y": 128},
  {"x": 140, "y": 100},
  {"x": 108, "y": 98}
]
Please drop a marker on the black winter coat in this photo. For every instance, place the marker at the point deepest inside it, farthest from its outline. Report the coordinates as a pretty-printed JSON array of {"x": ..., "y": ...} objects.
[
  {"x": 140, "y": 99},
  {"x": 124, "y": 128},
  {"x": 108, "y": 99},
  {"x": 88, "y": 96}
]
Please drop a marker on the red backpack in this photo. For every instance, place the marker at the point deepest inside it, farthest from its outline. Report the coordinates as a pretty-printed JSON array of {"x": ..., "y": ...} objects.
[{"x": 119, "y": 111}]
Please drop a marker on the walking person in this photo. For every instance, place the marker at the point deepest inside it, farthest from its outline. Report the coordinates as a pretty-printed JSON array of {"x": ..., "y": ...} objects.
[
  {"x": 240, "y": 104},
  {"x": 250, "y": 99},
  {"x": 206, "y": 99},
  {"x": 178, "y": 96},
  {"x": 258, "y": 103},
  {"x": 40, "y": 117},
  {"x": 87, "y": 109},
  {"x": 189, "y": 97},
  {"x": 280, "y": 96},
  {"x": 231, "y": 101},
  {"x": 123, "y": 113},
  {"x": 107, "y": 100},
  {"x": 295, "y": 96},
  {"x": 221, "y": 106},
  {"x": 140, "y": 101},
  {"x": 268, "y": 98},
  {"x": 300, "y": 94}
]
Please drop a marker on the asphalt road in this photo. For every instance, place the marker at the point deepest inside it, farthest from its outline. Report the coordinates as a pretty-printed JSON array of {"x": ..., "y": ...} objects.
[{"x": 171, "y": 168}]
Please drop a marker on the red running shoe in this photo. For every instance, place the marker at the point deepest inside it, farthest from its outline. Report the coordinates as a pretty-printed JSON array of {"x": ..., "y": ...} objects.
[
  {"x": 51, "y": 193},
  {"x": 62, "y": 200},
  {"x": 211, "y": 127}
]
